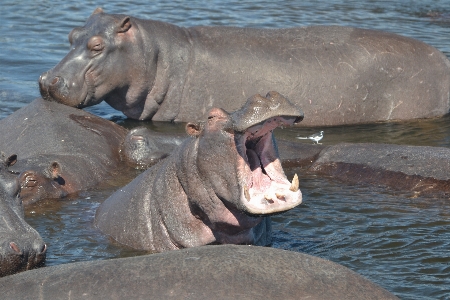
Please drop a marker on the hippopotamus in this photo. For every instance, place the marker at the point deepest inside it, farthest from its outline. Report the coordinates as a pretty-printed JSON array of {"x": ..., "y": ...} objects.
[
  {"x": 208, "y": 272},
  {"x": 155, "y": 70},
  {"x": 420, "y": 169},
  {"x": 21, "y": 246},
  {"x": 216, "y": 187},
  {"x": 62, "y": 150},
  {"x": 144, "y": 147}
]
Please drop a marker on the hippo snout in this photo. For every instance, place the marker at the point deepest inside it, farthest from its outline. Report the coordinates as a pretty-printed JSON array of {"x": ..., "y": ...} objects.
[
  {"x": 37, "y": 248},
  {"x": 20, "y": 255},
  {"x": 52, "y": 87}
]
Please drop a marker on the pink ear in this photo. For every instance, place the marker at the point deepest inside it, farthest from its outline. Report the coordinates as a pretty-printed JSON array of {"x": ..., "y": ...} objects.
[
  {"x": 193, "y": 129},
  {"x": 124, "y": 25}
]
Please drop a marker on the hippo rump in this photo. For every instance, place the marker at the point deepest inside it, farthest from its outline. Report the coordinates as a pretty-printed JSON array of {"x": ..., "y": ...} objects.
[
  {"x": 338, "y": 75},
  {"x": 209, "y": 272},
  {"x": 62, "y": 150},
  {"x": 216, "y": 187},
  {"x": 21, "y": 247}
]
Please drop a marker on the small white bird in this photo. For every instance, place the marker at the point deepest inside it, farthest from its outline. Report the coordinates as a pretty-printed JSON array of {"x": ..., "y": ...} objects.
[{"x": 316, "y": 137}]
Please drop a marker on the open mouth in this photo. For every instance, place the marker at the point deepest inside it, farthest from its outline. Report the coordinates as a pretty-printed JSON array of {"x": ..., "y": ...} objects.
[{"x": 265, "y": 188}]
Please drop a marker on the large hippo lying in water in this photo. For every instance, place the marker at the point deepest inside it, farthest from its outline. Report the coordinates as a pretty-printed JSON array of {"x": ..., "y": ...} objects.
[
  {"x": 338, "y": 75},
  {"x": 62, "y": 150},
  {"x": 21, "y": 247},
  {"x": 209, "y": 272},
  {"x": 420, "y": 169},
  {"x": 214, "y": 188}
]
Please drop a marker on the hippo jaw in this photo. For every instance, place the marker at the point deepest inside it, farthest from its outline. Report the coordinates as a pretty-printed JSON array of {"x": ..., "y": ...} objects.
[{"x": 264, "y": 186}]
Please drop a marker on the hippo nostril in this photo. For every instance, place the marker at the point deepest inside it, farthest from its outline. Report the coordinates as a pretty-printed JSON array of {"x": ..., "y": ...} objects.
[
  {"x": 42, "y": 248},
  {"x": 55, "y": 80},
  {"x": 15, "y": 247},
  {"x": 137, "y": 138}
]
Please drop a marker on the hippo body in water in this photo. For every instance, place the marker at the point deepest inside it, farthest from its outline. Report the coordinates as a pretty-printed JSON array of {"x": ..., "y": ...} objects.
[
  {"x": 62, "y": 150},
  {"x": 208, "y": 272},
  {"x": 338, "y": 75},
  {"x": 214, "y": 188},
  {"x": 21, "y": 247}
]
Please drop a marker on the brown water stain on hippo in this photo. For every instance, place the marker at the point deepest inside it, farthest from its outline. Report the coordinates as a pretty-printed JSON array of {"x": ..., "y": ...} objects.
[{"x": 361, "y": 174}]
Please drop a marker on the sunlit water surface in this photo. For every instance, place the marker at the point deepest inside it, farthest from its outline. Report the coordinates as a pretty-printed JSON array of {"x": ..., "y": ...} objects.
[{"x": 397, "y": 240}]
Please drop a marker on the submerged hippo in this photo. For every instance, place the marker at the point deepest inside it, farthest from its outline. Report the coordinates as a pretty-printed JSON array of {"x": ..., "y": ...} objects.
[
  {"x": 421, "y": 169},
  {"x": 21, "y": 247},
  {"x": 209, "y": 272},
  {"x": 143, "y": 147},
  {"x": 62, "y": 150},
  {"x": 214, "y": 188},
  {"x": 338, "y": 75}
]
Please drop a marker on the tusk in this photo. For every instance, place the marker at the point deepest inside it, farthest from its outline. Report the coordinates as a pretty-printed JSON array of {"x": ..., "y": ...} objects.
[
  {"x": 246, "y": 193},
  {"x": 295, "y": 184}
]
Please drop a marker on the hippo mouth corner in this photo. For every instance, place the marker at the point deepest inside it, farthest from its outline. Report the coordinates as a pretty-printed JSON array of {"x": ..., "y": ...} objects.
[{"x": 265, "y": 188}]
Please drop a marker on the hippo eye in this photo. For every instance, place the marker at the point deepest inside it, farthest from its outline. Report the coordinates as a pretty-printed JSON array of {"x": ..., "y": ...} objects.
[{"x": 95, "y": 44}]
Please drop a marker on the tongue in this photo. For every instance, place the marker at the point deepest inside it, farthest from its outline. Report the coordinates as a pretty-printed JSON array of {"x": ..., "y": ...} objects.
[{"x": 261, "y": 181}]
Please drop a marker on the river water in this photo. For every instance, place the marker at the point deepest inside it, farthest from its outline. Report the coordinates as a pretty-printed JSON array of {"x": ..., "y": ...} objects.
[{"x": 398, "y": 240}]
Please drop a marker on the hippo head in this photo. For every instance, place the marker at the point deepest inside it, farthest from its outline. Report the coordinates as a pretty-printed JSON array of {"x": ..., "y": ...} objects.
[
  {"x": 21, "y": 247},
  {"x": 40, "y": 181},
  {"x": 237, "y": 155},
  {"x": 141, "y": 150},
  {"x": 88, "y": 73}
]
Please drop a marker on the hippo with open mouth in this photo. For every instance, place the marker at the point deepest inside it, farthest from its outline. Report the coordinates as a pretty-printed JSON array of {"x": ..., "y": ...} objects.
[{"x": 216, "y": 187}]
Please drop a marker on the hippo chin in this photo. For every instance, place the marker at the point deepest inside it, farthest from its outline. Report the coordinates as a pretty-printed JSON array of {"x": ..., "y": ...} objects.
[
  {"x": 216, "y": 187},
  {"x": 338, "y": 75},
  {"x": 21, "y": 247}
]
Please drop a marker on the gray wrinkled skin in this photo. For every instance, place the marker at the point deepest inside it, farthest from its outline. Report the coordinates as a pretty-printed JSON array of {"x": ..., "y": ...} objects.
[
  {"x": 21, "y": 247},
  {"x": 209, "y": 272},
  {"x": 422, "y": 170},
  {"x": 214, "y": 188},
  {"x": 62, "y": 150},
  {"x": 338, "y": 75}
]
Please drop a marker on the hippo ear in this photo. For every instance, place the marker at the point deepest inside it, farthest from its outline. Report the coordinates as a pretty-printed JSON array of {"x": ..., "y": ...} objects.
[
  {"x": 193, "y": 129},
  {"x": 124, "y": 25},
  {"x": 54, "y": 170},
  {"x": 11, "y": 160},
  {"x": 98, "y": 10}
]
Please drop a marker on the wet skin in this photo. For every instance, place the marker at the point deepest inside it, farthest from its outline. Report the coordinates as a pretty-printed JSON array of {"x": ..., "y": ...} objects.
[
  {"x": 208, "y": 272},
  {"x": 216, "y": 187},
  {"x": 338, "y": 75},
  {"x": 62, "y": 150},
  {"x": 21, "y": 247}
]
